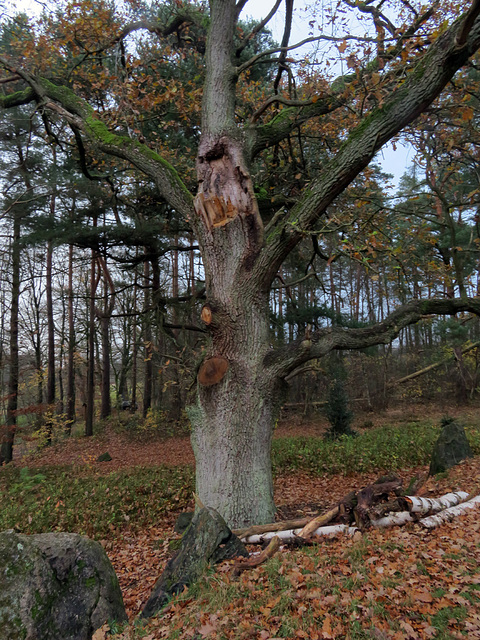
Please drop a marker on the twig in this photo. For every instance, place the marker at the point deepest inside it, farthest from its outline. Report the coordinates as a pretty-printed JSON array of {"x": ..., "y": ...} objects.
[{"x": 254, "y": 561}]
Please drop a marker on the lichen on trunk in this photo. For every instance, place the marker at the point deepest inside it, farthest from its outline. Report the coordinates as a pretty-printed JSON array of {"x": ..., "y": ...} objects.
[{"x": 232, "y": 427}]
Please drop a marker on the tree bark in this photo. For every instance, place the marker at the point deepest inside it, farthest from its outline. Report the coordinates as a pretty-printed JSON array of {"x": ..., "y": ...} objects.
[
  {"x": 70, "y": 413},
  {"x": 232, "y": 422},
  {"x": 8, "y": 435},
  {"x": 147, "y": 341},
  {"x": 90, "y": 407}
]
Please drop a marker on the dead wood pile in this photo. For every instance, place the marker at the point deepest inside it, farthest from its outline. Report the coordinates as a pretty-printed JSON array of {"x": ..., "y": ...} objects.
[{"x": 384, "y": 503}]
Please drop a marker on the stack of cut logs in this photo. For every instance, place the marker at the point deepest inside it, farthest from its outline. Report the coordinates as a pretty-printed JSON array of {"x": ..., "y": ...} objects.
[{"x": 381, "y": 504}]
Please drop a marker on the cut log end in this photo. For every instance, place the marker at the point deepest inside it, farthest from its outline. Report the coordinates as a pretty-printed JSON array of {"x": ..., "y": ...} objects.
[
  {"x": 212, "y": 371},
  {"x": 206, "y": 314}
]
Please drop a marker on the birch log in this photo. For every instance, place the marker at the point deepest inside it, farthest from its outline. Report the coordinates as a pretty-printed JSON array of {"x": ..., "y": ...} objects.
[
  {"x": 420, "y": 506},
  {"x": 444, "y": 516},
  {"x": 291, "y": 534}
]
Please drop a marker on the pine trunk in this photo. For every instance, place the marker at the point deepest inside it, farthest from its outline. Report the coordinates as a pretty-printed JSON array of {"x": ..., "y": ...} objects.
[
  {"x": 71, "y": 348},
  {"x": 89, "y": 409},
  {"x": 8, "y": 434}
]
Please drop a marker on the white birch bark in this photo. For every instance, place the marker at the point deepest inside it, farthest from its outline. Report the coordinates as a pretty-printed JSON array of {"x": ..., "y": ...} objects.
[
  {"x": 446, "y": 507},
  {"x": 421, "y": 506},
  {"x": 445, "y": 516},
  {"x": 290, "y": 534}
]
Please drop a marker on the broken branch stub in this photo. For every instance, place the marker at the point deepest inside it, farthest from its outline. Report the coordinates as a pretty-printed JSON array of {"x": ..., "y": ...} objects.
[
  {"x": 206, "y": 314},
  {"x": 212, "y": 370}
]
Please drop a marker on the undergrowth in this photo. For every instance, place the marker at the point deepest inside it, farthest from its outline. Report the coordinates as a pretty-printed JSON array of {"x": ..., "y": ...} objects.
[
  {"x": 62, "y": 499},
  {"x": 387, "y": 447},
  {"x": 81, "y": 500},
  {"x": 327, "y": 590}
]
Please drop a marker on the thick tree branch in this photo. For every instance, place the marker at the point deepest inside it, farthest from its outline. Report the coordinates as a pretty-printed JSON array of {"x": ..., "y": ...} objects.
[
  {"x": 81, "y": 117},
  {"x": 17, "y": 99},
  {"x": 411, "y": 96},
  {"x": 280, "y": 100},
  {"x": 284, "y": 360},
  {"x": 282, "y": 125}
]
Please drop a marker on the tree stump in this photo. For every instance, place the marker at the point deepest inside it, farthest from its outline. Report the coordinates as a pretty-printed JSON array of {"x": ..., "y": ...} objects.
[{"x": 207, "y": 540}]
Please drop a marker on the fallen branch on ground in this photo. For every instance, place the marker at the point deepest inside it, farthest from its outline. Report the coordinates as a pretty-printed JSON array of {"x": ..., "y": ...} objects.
[
  {"x": 420, "y": 506},
  {"x": 361, "y": 509},
  {"x": 273, "y": 526},
  {"x": 292, "y": 534},
  {"x": 255, "y": 560},
  {"x": 318, "y": 522}
]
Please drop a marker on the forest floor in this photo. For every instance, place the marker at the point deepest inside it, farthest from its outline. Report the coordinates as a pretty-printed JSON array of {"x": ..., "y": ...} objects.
[{"x": 399, "y": 583}]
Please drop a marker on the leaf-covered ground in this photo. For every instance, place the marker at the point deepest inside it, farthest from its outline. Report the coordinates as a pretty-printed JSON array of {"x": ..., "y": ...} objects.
[{"x": 399, "y": 583}]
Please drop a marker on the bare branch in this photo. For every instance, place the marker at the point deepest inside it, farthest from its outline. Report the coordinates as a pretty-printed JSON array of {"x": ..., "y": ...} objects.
[
  {"x": 377, "y": 15},
  {"x": 258, "y": 28},
  {"x": 285, "y": 41},
  {"x": 285, "y": 360},
  {"x": 279, "y": 99},
  {"x": 424, "y": 81}
]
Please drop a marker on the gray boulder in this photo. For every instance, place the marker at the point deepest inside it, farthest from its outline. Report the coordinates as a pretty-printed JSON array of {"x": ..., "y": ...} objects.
[
  {"x": 451, "y": 447},
  {"x": 55, "y": 586}
]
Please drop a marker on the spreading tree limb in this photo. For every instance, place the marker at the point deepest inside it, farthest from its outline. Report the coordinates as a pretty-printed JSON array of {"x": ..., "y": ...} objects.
[
  {"x": 423, "y": 81},
  {"x": 283, "y": 360},
  {"x": 82, "y": 118}
]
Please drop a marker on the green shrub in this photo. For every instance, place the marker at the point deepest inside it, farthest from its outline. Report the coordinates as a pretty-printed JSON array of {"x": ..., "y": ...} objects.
[
  {"x": 385, "y": 448},
  {"x": 338, "y": 414}
]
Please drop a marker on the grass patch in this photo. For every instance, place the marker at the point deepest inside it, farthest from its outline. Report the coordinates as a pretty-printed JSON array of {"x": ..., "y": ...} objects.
[
  {"x": 442, "y": 620},
  {"x": 387, "y": 447},
  {"x": 65, "y": 499}
]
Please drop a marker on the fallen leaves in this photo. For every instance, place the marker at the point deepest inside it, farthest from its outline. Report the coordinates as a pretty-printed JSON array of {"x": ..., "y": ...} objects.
[{"x": 396, "y": 584}]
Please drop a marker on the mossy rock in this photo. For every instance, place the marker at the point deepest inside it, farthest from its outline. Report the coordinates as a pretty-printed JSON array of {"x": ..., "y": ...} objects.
[
  {"x": 183, "y": 522},
  {"x": 104, "y": 457},
  {"x": 55, "y": 586},
  {"x": 451, "y": 447}
]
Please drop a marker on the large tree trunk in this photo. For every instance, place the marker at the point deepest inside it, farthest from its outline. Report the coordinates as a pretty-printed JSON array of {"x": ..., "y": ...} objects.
[
  {"x": 233, "y": 421},
  {"x": 238, "y": 399}
]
